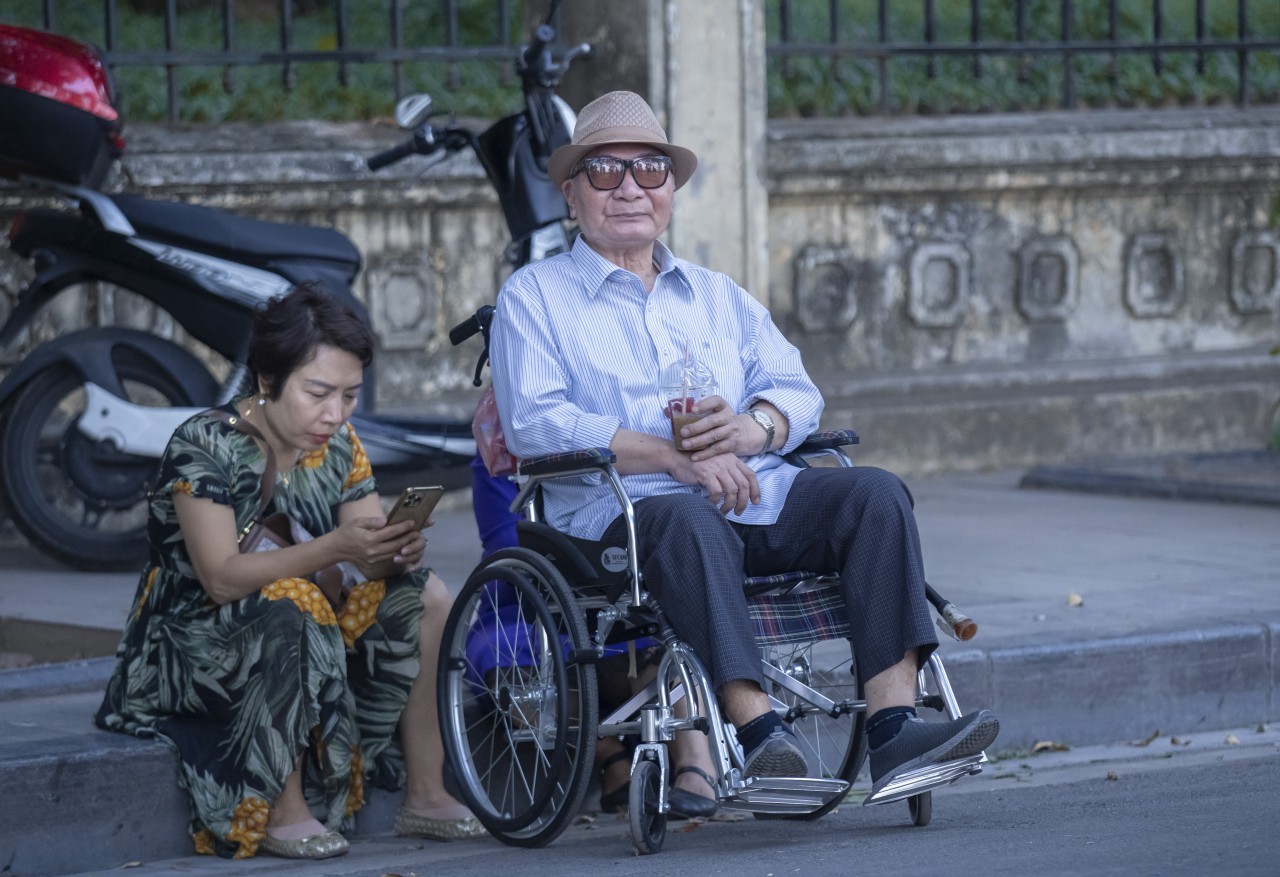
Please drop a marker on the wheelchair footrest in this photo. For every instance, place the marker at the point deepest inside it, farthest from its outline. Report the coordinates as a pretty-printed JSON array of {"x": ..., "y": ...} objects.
[
  {"x": 930, "y": 776},
  {"x": 784, "y": 794}
]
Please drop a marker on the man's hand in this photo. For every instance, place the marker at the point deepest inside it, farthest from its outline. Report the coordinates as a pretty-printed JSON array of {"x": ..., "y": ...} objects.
[
  {"x": 730, "y": 483},
  {"x": 721, "y": 431}
]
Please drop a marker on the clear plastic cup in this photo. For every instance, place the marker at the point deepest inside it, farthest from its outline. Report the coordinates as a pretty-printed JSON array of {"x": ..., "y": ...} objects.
[{"x": 683, "y": 386}]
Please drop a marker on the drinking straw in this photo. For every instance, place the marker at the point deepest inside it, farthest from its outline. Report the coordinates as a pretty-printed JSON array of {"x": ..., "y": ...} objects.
[{"x": 684, "y": 378}]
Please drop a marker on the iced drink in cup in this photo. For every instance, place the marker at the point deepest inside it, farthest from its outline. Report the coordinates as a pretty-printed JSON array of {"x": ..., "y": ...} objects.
[{"x": 685, "y": 384}]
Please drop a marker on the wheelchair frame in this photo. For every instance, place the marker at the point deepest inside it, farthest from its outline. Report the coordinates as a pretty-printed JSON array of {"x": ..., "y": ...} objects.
[{"x": 520, "y": 733}]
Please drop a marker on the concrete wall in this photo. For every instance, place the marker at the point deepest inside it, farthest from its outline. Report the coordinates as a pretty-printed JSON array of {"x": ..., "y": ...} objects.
[
  {"x": 970, "y": 293},
  {"x": 997, "y": 291}
]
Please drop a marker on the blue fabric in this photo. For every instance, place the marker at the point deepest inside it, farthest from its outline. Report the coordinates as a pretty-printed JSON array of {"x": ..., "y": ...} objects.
[{"x": 499, "y": 619}]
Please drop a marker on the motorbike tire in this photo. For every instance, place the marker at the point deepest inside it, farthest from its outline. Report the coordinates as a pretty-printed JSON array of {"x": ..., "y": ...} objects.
[{"x": 82, "y": 503}]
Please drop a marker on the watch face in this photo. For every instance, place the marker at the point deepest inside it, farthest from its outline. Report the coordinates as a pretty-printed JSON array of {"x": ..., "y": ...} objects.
[{"x": 766, "y": 423}]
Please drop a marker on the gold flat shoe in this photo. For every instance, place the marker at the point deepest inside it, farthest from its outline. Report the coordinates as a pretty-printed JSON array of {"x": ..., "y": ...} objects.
[
  {"x": 318, "y": 846},
  {"x": 412, "y": 825}
]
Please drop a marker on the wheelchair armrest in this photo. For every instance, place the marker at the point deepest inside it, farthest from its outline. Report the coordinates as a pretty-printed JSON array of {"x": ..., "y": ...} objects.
[
  {"x": 569, "y": 461},
  {"x": 821, "y": 441}
]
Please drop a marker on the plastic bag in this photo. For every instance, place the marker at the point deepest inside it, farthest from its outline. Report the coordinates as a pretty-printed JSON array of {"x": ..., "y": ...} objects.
[{"x": 490, "y": 440}]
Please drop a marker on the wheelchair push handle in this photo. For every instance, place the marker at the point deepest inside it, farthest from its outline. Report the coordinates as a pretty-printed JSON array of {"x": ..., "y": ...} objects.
[
  {"x": 964, "y": 627},
  {"x": 476, "y": 324}
]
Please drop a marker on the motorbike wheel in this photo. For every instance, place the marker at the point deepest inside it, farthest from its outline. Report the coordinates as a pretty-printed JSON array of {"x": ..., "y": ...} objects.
[{"x": 80, "y": 502}]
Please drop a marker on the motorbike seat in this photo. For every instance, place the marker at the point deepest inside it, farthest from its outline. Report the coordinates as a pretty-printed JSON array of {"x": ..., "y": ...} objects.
[{"x": 237, "y": 238}]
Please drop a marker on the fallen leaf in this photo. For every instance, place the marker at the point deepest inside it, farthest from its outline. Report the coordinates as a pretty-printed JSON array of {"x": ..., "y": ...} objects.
[
  {"x": 1232, "y": 740},
  {"x": 585, "y": 819},
  {"x": 1112, "y": 775},
  {"x": 1146, "y": 740},
  {"x": 1174, "y": 741},
  {"x": 1049, "y": 746},
  {"x": 1075, "y": 600},
  {"x": 690, "y": 825}
]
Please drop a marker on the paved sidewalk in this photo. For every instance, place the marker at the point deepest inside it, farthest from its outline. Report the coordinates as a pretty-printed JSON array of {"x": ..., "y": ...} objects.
[
  {"x": 1102, "y": 618},
  {"x": 1145, "y": 573}
]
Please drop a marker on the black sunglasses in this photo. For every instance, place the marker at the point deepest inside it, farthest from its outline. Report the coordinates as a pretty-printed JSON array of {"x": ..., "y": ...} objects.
[{"x": 606, "y": 173}]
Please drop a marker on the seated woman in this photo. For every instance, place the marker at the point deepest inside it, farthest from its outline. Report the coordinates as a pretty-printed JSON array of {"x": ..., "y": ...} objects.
[{"x": 281, "y": 709}]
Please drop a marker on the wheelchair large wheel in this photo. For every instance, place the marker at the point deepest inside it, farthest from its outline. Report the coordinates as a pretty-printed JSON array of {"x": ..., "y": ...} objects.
[
  {"x": 834, "y": 745},
  {"x": 517, "y": 701}
]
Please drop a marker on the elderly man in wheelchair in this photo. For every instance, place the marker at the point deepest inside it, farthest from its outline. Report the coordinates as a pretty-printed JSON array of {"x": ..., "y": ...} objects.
[{"x": 635, "y": 537}]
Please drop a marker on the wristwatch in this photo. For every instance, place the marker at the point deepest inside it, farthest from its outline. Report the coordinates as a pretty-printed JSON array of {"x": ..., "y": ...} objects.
[{"x": 766, "y": 423}]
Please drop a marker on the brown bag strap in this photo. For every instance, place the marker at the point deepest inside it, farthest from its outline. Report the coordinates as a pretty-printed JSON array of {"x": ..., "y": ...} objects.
[{"x": 241, "y": 424}]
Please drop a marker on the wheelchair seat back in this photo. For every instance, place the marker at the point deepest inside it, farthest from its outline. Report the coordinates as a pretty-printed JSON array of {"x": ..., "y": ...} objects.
[{"x": 592, "y": 568}]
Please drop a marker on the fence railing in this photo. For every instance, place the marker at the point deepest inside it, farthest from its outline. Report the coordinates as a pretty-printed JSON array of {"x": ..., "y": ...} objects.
[
  {"x": 179, "y": 36},
  {"x": 829, "y": 57},
  {"x": 826, "y": 57}
]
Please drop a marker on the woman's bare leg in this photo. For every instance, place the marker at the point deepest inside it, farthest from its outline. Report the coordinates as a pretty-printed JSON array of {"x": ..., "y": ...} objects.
[
  {"x": 420, "y": 738},
  {"x": 290, "y": 817}
]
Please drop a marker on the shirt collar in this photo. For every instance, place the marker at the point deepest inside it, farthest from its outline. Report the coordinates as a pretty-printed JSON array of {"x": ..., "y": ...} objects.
[{"x": 596, "y": 269}]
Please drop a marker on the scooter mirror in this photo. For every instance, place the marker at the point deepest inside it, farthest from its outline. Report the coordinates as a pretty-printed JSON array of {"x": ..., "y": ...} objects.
[{"x": 412, "y": 110}]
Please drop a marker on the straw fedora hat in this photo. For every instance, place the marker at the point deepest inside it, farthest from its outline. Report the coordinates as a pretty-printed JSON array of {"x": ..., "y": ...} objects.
[{"x": 619, "y": 117}]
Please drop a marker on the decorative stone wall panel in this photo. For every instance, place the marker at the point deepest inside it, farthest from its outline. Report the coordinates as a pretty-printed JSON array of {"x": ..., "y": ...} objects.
[
  {"x": 1048, "y": 278},
  {"x": 1255, "y": 272},
  {"x": 401, "y": 291},
  {"x": 938, "y": 284},
  {"x": 825, "y": 289},
  {"x": 1154, "y": 276}
]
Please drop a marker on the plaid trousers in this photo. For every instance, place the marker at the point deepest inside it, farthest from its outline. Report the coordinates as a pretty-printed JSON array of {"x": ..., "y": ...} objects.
[{"x": 856, "y": 521}]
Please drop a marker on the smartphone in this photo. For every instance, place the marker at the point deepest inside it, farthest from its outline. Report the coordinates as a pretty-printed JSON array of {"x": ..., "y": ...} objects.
[{"x": 415, "y": 504}]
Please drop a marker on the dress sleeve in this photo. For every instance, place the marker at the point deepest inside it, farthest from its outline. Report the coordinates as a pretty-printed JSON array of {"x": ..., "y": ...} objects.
[
  {"x": 197, "y": 461},
  {"x": 359, "y": 481}
]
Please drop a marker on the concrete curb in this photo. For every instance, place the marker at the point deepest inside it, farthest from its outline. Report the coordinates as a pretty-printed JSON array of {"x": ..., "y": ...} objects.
[
  {"x": 117, "y": 795},
  {"x": 1236, "y": 476},
  {"x": 1115, "y": 689},
  {"x": 53, "y": 679}
]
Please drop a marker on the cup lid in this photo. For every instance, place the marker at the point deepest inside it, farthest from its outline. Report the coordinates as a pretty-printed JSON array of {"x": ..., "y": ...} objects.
[{"x": 690, "y": 374}]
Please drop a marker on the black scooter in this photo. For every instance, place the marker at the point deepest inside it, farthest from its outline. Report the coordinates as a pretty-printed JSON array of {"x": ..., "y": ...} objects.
[{"x": 85, "y": 416}]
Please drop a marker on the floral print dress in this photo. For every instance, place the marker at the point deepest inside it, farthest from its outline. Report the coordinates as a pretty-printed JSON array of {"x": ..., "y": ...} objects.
[{"x": 242, "y": 691}]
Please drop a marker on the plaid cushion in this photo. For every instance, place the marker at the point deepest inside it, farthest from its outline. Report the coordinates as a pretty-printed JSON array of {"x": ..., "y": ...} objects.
[{"x": 810, "y": 612}]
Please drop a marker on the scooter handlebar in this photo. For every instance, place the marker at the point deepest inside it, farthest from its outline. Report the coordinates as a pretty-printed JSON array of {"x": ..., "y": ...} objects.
[
  {"x": 542, "y": 37},
  {"x": 392, "y": 155}
]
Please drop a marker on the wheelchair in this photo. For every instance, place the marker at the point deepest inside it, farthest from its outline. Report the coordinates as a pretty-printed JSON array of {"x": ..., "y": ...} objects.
[{"x": 519, "y": 705}]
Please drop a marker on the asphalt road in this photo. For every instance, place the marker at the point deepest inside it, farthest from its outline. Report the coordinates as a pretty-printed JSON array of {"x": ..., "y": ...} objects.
[{"x": 1173, "y": 807}]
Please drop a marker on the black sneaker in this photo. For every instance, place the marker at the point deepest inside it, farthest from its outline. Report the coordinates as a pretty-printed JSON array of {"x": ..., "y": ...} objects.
[
  {"x": 777, "y": 756},
  {"x": 920, "y": 743}
]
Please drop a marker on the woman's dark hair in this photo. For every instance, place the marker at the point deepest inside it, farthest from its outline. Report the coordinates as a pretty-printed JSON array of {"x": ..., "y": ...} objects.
[{"x": 288, "y": 330}]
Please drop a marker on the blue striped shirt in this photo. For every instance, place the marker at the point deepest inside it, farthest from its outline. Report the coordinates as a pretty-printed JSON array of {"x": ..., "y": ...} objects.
[{"x": 577, "y": 347}]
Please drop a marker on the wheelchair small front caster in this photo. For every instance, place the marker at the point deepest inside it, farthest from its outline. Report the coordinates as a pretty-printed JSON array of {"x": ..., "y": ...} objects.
[
  {"x": 648, "y": 826},
  {"x": 921, "y": 807}
]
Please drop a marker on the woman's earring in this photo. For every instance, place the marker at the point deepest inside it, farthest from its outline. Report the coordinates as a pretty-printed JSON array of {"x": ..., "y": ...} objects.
[{"x": 262, "y": 400}]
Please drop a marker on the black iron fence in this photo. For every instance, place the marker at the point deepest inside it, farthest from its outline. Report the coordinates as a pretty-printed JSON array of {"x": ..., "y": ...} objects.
[
  {"x": 333, "y": 41},
  {"x": 213, "y": 59},
  {"x": 830, "y": 57}
]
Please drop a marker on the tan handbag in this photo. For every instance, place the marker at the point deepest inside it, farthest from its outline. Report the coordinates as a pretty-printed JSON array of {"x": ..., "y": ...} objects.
[{"x": 278, "y": 530}]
